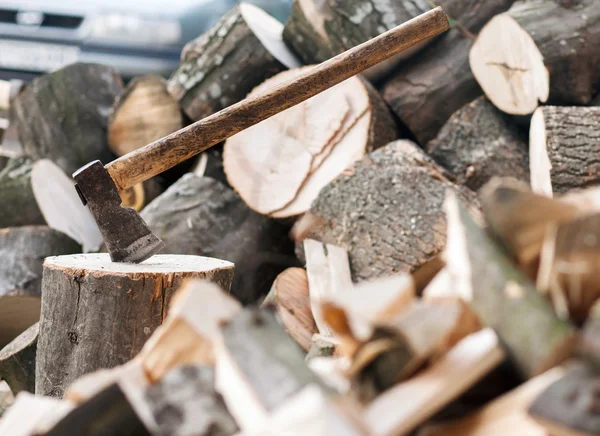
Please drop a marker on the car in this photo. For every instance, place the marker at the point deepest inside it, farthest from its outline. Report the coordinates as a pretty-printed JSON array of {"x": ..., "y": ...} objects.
[{"x": 135, "y": 36}]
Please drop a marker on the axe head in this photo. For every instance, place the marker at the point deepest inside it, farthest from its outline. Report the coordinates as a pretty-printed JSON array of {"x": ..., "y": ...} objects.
[{"x": 126, "y": 235}]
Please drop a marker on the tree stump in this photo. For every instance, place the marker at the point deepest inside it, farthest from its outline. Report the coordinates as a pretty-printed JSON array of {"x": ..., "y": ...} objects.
[
  {"x": 17, "y": 361},
  {"x": 564, "y": 145},
  {"x": 386, "y": 211},
  {"x": 63, "y": 116},
  {"x": 479, "y": 142},
  {"x": 537, "y": 52},
  {"x": 220, "y": 67},
  {"x": 15, "y": 190},
  {"x": 22, "y": 250},
  {"x": 98, "y": 314}
]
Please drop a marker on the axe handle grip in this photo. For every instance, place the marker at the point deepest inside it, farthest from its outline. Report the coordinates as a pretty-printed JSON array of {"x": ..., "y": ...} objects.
[{"x": 159, "y": 156}]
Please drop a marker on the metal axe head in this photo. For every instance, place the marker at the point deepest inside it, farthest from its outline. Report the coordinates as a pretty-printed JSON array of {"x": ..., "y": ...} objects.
[{"x": 127, "y": 237}]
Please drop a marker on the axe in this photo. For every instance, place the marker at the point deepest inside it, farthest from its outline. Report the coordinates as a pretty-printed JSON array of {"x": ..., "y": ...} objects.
[{"x": 126, "y": 235}]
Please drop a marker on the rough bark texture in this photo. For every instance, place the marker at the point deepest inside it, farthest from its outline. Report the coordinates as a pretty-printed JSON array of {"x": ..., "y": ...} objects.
[
  {"x": 570, "y": 405},
  {"x": 63, "y": 116},
  {"x": 428, "y": 89},
  {"x": 17, "y": 361},
  {"x": 386, "y": 211},
  {"x": 479, "y": 142},
  {"x": 201, "y": 216},
  {"x": 98, "y": 314},
  {"x": 16, "y": 191},
  {"x": 503, "y": 297},
  {"x": 22, "y": 250},
  {"x": 184, "y": 402},
  {"x": 220, "y": 67},
  {"x": 572, "y": 138}
]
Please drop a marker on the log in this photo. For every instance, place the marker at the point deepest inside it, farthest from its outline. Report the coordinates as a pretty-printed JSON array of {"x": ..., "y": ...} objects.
[
  {"x": 318, "y": 30},
  {"x": 62, "y": 116},
  {"x": 23, "y": 250},
  {"x": 279, "y": 165},
  {"x": 569, "y": 406},
  {"x": 538, "y": 52},
  {"x": 563, "y": 148},
  {"x": 479, "y": 142},
  {"x": 141, "y": 114},
  {"x": 224, "y": 64},
  {"x": 289, "y": 296},
  {"x": 503, "y": 297},
  {"x": 201, "y": 216},
  {"x": 105, "y": 311},
  {"x": 15, "y": 189},
  {"x": 383, "y": 241},
  {"x": 17, "y": 361}
]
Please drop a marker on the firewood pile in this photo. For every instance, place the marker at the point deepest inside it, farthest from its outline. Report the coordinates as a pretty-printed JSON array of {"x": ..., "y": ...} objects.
[{"x": 413, "y": 251}]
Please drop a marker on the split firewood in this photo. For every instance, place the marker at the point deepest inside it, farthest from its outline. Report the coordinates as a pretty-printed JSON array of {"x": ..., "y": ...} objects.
[
  {"x": 220, "y": 67},
  {"x": 143, "y": 113},
  {"x": 563, "y": 145},
  {"x": 503, "y": 297},
  {"x": 201, "y": 216},
  {"x": 137, "y": 294},
  {"x": 318, "y": 30},
  {"x": 538, "y": 52},
  {"x": 479, "y": 142},
  {"x": 17, "y": 361},
  {"x": 382, "y": 241},
  {"x": 62, "y": 116},
  {"x": 570, "y": 405},
  {"x": 289, "y": 296},
  {"x": 33, "y": 415},
  {"x": 505, "y": 415},
  {"x": 259, "y": 367},
  {"x": 210, "y": 164},
  {"x": 279, "y": 165},
  {"x": 429, "y": 391},
  {"x": 22, "y": 250},
  {"x": 16, "y": 191}
]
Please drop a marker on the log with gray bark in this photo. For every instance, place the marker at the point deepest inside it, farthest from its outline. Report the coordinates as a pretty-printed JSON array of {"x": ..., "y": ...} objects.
[
  {"x": 17, "y": 361},
  {"x": 63, "y": 116},
  {"x": 224, "y": 64},
  {"x": 385, "y": 211},
  {"x": 22, "y": 250},
  {"x": 564, "y": 146},
  {"x": 98, "y": 314},
  {"x": 540, "y": 51},
  {"x": 479, "y": 142},
  {"x": 201, "y": 216},
  {"x": 16, "y": 191}
]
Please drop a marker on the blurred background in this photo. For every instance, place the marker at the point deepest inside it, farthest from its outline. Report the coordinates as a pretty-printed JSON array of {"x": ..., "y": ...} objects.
[{"x": 136, "y": 37}]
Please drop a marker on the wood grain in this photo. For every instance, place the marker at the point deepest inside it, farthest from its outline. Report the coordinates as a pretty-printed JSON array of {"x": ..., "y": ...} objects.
[{"x": 165, "y": 153}]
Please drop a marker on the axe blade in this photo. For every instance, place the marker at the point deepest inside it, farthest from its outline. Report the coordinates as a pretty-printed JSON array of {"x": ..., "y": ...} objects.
[{"x": 126, "y": 235}]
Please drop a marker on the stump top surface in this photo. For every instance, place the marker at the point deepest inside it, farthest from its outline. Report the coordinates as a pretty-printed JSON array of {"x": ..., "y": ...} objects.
[{"x": 158, "y": 264}]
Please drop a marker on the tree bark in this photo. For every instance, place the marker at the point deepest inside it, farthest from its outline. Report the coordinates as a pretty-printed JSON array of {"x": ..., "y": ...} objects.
[
  {"x": 540, "y": 51},
  {"x": 200, "y": 216},
  {"x": 402, "y": 236},
  {"x": 16, "y": 191},
  {"x": 63, "y": 116},
  {"x": 98, "y": 314},
  {"x": 23, "y": 250},
  {"x": 479, "y": 142},
  {"x": 564, "y": 145},
  {"x": 220, "y": 67},
  {"x": 17, "y": 361}
]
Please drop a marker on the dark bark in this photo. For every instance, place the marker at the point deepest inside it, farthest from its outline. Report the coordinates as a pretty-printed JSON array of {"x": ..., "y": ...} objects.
[
  {"x": 17, "y": 361},
  {"x": 16, "y": 191},
  {"x": 386, "y": 211},
  {"x": 479, "y": 142},
  {"x": 201, "y": 216},
  {"x": 98, "y": 314},
  {"x": 63, "y": 116}
]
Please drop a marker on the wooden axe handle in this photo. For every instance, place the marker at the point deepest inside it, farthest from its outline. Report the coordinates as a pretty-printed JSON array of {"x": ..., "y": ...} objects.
[{"x": 159, "y": 156}]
